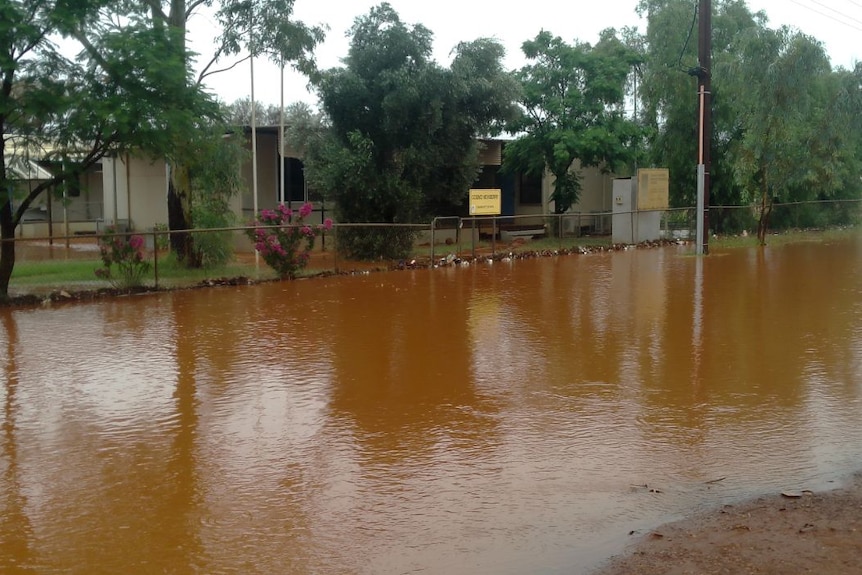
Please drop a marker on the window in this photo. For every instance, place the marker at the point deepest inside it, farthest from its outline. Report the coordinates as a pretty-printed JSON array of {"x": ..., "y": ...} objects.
[
  {"x": 488, "y": 178},
  {"x": 531, "y": 189},
  {"x": 294, "y": 180}
]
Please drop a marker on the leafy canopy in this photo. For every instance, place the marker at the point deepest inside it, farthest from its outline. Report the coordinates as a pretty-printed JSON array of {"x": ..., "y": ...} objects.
[
  {"x": 126, "y": 89},
  {"x": 572, "y": 103},
  {"x": 403, "y": 130}
]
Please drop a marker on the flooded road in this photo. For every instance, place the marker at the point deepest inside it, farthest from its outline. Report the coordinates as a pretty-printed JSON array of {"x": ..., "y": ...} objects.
[{"x": 492, "y": 419}]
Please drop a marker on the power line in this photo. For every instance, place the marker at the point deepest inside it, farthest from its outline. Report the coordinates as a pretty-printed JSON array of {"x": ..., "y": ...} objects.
[
  {"x": 836, "y": 11},
  {"x": 825, "y": 15},
  {"x": 688, "y": 37}
]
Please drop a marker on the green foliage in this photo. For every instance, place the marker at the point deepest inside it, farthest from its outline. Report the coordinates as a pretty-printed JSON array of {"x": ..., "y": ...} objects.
[
  {"x": 784, "y": 149},
  {"x": 669, "y": 100},
  {"x": 215, "y": 248},
  {"x": 403, "y": 130},
  {"x": 573, "y": 109},
  {"x": 214, "y": 172},
  {"x": 276, "y": 36},
  {"x": 389, "y": 243},
  {"x": 785, "y": 126},
  {"x": 126, "y": 89},
  {"x": 123, "y": 263},
  {"x": 162, "y": 238}
]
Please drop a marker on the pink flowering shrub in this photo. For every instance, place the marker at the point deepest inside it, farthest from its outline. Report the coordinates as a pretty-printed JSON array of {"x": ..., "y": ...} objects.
[
  {"x": 284, "y": 240},
  {"x": 123, "y": 263}
]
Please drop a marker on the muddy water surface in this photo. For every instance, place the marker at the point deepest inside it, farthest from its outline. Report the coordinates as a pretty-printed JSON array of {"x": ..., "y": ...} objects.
[{"x": 489, "y": 419}]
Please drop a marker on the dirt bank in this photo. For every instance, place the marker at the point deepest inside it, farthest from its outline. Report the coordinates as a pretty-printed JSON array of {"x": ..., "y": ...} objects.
[{"x": 793, "y": 533}]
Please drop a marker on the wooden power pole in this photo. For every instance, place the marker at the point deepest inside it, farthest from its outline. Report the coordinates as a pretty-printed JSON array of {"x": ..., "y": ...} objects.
[{"x": 704, "y": 93}]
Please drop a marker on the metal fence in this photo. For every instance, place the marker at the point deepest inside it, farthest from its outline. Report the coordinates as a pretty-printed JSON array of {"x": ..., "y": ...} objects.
[{"x": 46, "y": 264}]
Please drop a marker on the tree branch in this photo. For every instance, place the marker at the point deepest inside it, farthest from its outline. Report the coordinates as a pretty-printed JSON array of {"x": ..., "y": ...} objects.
[
  {"x": 192, "y": 7},
  {"x": 31, "y": 17},
  {"x": 96, "y": 153},
  {"x": 205, "y": 73},
  {"x": 156, "y": 7}
]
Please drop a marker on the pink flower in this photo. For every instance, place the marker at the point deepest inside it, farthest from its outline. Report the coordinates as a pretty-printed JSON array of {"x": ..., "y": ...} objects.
[
  {"x": 307, "y": 231},
  {"x": 327, "y": 224},
  {"x": 136, "y": 242},
  {"x": 305, "y": 210}
]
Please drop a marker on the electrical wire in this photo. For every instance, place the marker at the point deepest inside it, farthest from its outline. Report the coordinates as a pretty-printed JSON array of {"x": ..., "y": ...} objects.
[
  {"x": 842, "y": 14},
  {"x": 825, "y": 15},
  {"x": 688, "y": 36}
]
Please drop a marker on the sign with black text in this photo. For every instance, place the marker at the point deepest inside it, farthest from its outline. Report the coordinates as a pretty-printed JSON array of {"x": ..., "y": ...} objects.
[{"x": 485, "y": 202}]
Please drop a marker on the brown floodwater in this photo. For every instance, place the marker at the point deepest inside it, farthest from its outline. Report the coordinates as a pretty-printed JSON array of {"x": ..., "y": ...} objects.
[{"x": 491, "y": 419}]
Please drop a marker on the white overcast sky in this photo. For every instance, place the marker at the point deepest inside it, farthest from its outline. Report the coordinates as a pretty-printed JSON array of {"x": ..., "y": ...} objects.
[{"x": 836, "y": 23}]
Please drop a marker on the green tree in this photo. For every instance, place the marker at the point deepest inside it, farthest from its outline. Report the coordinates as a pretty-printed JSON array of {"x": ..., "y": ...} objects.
[
  {"x": 214, "y": 172},
  {"x": 303, "y": 127},
  {"x": 669, "y": 100},
  {"x": 403, "y": 130},
  {"x": 573, "y": 109},
  {"x": 259, "y": 27},
  {"x": 127, "y": 90},
  {"x": 238, "y": 113},
  {"x": 780, "y": 80}
]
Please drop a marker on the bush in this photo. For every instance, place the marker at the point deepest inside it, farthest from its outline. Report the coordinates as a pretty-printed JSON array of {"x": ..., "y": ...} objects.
[
  {"x": 123, "y": 260},
  {"x": 163, "y": 238},
  {"x": 390, "y": 243},
  {"x": 284, "y": 240},
  {"x": 214, "y": 248}
]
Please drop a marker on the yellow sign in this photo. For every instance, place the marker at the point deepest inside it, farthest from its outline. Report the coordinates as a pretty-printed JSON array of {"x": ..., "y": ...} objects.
[
  {"x": 653, "y": 186},
  {"x": 485, "y": 202}
]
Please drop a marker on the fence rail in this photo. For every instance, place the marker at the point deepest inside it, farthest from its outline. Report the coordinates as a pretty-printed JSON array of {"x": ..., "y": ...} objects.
[{"x": 47, "y": 263}]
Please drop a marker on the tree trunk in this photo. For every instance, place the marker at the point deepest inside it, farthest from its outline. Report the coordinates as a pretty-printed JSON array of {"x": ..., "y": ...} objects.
[
  {"x": 180, "y": 216},
  {"x": 179, "y": 183},
  {"x": 7, "y": 249},
  {"x": 765, "y": 211}
]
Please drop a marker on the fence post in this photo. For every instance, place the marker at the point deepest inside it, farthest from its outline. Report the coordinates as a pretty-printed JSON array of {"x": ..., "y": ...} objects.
[
  {"x": 459, "y": 235},
  {"x": 493, "y": 236},
  {"x": 433, "y": 226},
  {"x": 156, "y": 258},
  {"x": 473, "y": 237},
  {"x": 335, "y": 247},
  {"x": 560, "y": 225}
]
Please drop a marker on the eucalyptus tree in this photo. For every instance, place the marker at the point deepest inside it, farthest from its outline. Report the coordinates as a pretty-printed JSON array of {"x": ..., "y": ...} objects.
[
  {"x": 572, "y": 108},
  {"x": 669, "y": 100},
  {"x": 403, "y": 130},
  {"x": 238, "y": 113},
  {"x": 126, "y": 89},
  {"x": 259, "y": 27},
  {"x": 781, "y": 83}
]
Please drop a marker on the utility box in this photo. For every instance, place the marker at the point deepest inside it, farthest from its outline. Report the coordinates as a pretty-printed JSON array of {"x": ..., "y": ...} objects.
[
  {"x": 638, "y": 205},
  {"x": 624, "y": 219}
]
